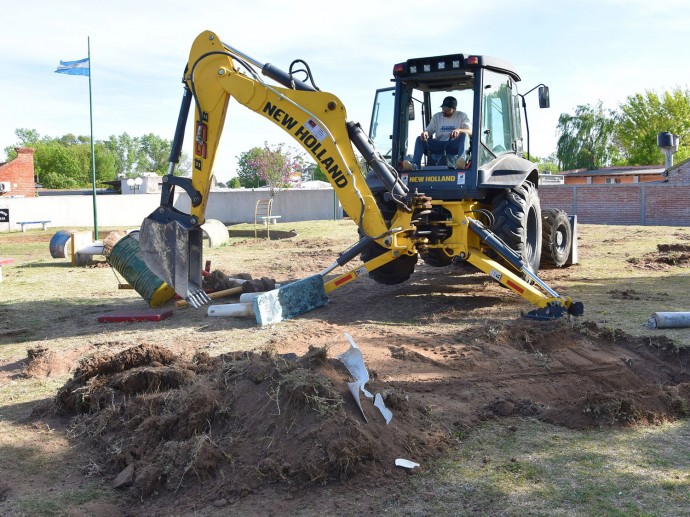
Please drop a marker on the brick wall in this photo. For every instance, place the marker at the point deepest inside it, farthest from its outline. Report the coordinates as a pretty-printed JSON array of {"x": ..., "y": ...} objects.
[
  {"x": 680, "y": 173},
  {"x": 661, "y": 204},
  {"x": 19, "y": 173}
]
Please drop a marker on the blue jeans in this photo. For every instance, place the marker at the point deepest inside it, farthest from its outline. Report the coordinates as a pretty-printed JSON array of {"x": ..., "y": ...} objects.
[{"x": 452, "y": 147}]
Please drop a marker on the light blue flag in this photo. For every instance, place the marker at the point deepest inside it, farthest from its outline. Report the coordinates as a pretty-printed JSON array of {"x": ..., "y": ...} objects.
[{"x": 80, "y": 67}]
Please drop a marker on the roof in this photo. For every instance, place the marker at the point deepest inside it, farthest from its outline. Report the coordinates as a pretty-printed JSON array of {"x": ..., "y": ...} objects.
[{"x": 640, "y": 170}]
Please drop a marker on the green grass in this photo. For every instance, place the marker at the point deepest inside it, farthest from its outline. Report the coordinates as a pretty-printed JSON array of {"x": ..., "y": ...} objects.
[
  {"x": 525, "y": 467},
  {"x": 494, "y": 469}
]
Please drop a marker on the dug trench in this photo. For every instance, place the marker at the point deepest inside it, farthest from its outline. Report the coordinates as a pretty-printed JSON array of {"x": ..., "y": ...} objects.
[{"x": 232, "y": 427}]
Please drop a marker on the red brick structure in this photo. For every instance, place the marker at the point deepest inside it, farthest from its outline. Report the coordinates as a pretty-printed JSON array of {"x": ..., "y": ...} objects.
[
  {"x": 614, "y": 175},
  {"x": 680, "y": 173},
  {"x": 660, "y": 203},
  {"x": 19, "y": 173}
]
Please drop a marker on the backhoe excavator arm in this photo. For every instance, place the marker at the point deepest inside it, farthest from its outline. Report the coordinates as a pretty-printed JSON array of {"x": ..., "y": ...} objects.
[
  {"x": 171, "y": 240},
  {"x": 316, "y": 120}
]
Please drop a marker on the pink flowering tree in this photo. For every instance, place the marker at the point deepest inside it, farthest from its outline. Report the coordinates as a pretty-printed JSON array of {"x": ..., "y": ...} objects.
[{"x": 277, "y": 167}]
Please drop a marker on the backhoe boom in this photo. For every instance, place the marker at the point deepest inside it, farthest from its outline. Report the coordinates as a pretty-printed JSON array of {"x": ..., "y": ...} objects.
[{"x": 215, "y": 72}]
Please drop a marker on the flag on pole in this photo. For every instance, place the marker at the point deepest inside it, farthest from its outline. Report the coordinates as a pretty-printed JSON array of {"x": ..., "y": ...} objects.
[{"x": 80, "y": 67}]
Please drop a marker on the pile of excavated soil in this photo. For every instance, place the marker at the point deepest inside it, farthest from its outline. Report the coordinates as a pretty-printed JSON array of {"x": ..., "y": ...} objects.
[
  {"x": 666, "y": 257},
  {"x": 220, "y": 428},
  {"x": 233, "y": 423},
  {"x": 217, "y": 280},
  {"x": 42, "y": 362}
]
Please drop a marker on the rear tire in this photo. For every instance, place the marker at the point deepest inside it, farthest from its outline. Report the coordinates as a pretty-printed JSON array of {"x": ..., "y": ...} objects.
[
  {"x": 436, "y": 257},
  {"x": 556, "y": 237},
  {"x": 517, "y": 221},
  {"x": 395, "y": 272}
]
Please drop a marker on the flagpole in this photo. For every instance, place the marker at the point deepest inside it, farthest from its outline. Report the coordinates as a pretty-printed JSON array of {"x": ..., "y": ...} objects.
[{"x": 93, "y": 154}]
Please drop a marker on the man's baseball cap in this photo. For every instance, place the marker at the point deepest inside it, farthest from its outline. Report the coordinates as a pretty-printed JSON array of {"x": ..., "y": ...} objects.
[{"x": 450, "y": 102}]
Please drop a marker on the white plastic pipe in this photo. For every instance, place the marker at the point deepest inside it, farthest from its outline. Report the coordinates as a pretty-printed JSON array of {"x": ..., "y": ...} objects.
[
  {"x": 248, "y": 297},
  {"x": 238, "y": 310},
  {"x": 95, "y": 248},
  {"x": 668, "y": 320}
]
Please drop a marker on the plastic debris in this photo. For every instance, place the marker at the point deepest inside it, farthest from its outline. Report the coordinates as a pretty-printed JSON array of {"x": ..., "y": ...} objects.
[
  {"x": 387, "y": 413},
  {"x": 407, "y": 464},
  {"x": 354, "y": 362},
  {"x": 353, "y": 359}
]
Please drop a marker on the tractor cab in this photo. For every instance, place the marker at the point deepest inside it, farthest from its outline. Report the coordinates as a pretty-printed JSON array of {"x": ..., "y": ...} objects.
[{"x": 485, "y": 90}]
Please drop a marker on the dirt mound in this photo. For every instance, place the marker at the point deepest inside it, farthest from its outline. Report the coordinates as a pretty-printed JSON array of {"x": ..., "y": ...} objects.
[
  {"x": 42, "y": 362},
  {"x": 220, "y": 428},
  {"x": 217, "y": 280},
  {"x": 231, "y": 424},
  {"x": 666, "y": 256}
]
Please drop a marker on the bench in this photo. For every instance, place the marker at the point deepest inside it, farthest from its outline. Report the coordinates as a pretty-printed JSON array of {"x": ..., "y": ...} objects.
[
  {"x": 24, "y": 223},
  {"x": 262, "y": 214},
  {"x": 270, "y": 218}
]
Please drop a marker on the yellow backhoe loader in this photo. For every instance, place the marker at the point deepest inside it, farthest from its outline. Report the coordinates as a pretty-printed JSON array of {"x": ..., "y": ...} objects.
[{"x": 479, "y": 205}]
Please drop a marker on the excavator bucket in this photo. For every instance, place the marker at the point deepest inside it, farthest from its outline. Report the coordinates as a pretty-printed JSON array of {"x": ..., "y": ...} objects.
[{"x": 174, "y": 253}]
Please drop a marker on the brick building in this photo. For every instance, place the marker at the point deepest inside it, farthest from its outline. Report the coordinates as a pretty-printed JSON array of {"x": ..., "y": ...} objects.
[
  {"x": 615, "y": 175},
  {"x": 680, "y": 173},
  {"x": 17, "y": 176}
]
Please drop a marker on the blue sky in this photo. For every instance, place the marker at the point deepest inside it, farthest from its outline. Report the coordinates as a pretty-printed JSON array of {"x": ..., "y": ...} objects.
[{"x": 585, "y": 51}]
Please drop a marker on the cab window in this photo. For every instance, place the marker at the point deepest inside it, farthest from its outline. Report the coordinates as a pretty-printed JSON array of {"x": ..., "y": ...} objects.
[{"x": 497, "y": 105}]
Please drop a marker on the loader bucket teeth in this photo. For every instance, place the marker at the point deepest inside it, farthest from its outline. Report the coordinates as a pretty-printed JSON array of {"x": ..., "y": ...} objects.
[{"x": 173, "y": 253}]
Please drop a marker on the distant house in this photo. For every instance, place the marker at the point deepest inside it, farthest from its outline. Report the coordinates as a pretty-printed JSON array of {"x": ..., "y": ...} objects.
[
  {"x": 17, "y": 175},
  {"x": 612, "y": 175}
]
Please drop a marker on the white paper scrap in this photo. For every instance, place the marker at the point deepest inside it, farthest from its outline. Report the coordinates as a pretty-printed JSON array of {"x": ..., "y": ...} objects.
[
  {"x": 387, "y": 414},
  {"x": 400, "y": 462},
  {"x": 354, "y": 362},
  {"x": 354, "y": 389}
]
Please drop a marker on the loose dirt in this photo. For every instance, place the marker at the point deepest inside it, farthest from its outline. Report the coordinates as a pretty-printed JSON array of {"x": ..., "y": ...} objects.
[
  {"x": 263, "y": 425},
  {"x": 666, "y": 256},
  {"x": 260, "y": 431}
]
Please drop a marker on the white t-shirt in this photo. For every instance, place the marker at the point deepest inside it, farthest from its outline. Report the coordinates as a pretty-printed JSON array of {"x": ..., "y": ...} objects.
[{"x": 441, "y": 126}]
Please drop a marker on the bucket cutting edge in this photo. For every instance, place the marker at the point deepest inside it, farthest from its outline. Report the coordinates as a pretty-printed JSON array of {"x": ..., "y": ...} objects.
[{"x": 290, "y": 301}]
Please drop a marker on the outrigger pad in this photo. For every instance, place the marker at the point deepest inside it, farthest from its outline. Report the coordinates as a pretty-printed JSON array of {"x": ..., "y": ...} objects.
[
  {"x": 290, "y": 301},
  {"x": 551, "y": 312}
]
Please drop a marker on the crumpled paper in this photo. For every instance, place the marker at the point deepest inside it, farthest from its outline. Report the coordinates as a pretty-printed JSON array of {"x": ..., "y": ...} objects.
[{"x": 353, "y": 359}]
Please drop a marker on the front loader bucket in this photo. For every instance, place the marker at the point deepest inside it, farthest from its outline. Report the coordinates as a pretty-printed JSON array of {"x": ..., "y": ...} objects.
[{"x": 174, "y": 253}]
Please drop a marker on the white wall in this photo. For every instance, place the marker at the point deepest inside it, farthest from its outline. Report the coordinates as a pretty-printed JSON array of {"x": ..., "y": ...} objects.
[{"x": 229, "y": 207}]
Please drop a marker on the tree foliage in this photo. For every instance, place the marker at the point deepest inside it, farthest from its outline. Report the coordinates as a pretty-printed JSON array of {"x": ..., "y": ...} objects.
[
  {"x": 246, "y": 173},
  {"x": 548, "y": 165},
  {"x": 274, "y": 167},
  {"x": 586, "y": 139},
  {"x": 643, "y": 116},
  {"x": 147, "y": 153},
  {"x": 65, "y": 161}
]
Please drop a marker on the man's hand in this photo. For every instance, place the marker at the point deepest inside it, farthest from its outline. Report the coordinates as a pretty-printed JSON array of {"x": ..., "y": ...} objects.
[
  {"x": 424, "y": 136},
  {"x": 455, "y": 133}
]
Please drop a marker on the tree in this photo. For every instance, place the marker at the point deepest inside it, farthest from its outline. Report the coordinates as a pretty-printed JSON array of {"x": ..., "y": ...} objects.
[
  {"x": 125, "y": 149},
  {"x": 312, "y": 172},
  {"x": 274, "y": 167},
  {"x": 234, "y": 182},
  {"x": 69, "y": 166},
  {"x": 25, "y": 138},
  {"x": 246, "y": 172},
  {"x": 586, "y": 139},
  {"x": 153, "y": 154},
  {"x": 643, "y": 116},
  {"x": 548, "y": 165}
]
